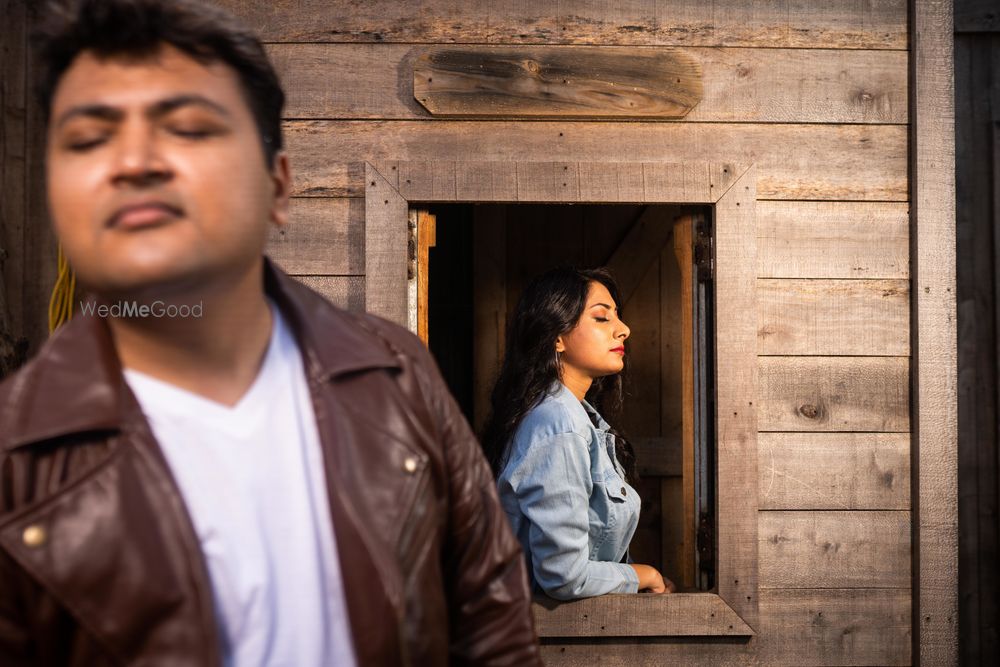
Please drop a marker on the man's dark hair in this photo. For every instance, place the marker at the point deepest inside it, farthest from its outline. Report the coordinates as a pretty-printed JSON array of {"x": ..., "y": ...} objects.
[{"x": 138, "y": 29}]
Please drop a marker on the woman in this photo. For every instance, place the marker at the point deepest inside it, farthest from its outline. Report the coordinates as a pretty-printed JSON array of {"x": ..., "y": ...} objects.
[{"x": 563, "y": 473}]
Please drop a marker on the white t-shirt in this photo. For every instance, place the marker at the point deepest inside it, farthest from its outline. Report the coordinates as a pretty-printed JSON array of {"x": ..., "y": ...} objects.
[{"x": 253, "y": 482}]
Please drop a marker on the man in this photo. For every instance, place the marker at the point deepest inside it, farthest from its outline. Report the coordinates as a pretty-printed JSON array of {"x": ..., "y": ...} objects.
[{"x": 215, "y": 465}]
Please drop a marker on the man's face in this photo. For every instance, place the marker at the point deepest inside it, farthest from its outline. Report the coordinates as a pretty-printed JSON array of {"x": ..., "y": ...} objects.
[{"x": 156, "y": 177}]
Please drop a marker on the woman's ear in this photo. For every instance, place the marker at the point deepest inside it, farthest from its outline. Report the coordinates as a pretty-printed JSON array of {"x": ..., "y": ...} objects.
[{"x": 560, "y": 346}]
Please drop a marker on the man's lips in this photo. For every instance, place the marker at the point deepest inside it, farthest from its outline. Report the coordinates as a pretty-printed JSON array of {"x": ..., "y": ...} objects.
[{"x": 134, "y": 216}]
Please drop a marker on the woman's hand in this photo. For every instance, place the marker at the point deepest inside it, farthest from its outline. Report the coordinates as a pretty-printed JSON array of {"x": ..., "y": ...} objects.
[{"x": 650, "y": 579}]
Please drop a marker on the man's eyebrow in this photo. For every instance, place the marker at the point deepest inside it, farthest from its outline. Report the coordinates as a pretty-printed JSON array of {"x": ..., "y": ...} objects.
[
  {"x": 164, "y": 107},
  {"x": 99, "y": 111},
  {"x": 161, "y": 108}
]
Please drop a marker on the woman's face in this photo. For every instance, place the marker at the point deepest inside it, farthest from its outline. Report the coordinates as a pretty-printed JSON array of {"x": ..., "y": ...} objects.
[{"x": 595, "y": 347}]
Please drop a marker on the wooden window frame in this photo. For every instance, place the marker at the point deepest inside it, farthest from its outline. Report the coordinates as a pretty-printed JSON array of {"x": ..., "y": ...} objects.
[{"x": 731, "y": 609}]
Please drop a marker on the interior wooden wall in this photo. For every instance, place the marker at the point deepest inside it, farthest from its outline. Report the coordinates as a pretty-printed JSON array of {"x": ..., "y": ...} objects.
[
  {"x": 977, "y": 162},
  {"x": 816, "y": 96}
]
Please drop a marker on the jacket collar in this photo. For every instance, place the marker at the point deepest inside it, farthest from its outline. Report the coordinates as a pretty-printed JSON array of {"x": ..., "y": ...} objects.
[{"x": 75, "y": 383}]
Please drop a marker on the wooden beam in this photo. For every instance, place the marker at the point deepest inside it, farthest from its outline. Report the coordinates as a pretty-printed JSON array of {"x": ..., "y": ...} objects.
[
  {"x": 631, "y": 260},
  {"x": 744, "y": 85},
  {"x": 684, "y": 234},
  {"x": 934, "y": 370},
  {"x": 793, "y": 161},
  {"x": 552, "y": 81},
  {"x": 841, "y": 23},
  {"x": 677, "y": 614},
  {"x": 385, "y": 249}
]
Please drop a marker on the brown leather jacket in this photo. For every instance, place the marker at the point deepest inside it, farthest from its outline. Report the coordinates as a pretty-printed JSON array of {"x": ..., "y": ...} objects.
[{"x": 100, "y": 564}]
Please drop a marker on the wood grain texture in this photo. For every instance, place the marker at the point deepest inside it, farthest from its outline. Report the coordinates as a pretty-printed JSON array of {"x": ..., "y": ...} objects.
[
  {"x": 847, "y": 471},
  {"x": 976, "y": 16},
  {"x": 547, "y": 81},
  {"x": 489, "y": 326},
  {"x": 738, "y": 84},
  {"x": 40, "y": 244},
  {"x": 798, "y": 627},
  {"x": 934, "y": 348},
  {"x": 343, "y": 291},
  {"x": 977, "y": 212},
  {"x": 13, "y": 180},
  {"x": 835, "y": 24},
  {"x": 841, "y": 162},
  {"x": 835, "y": 627},
  {"x": 834, "y": 549},
  {"x": 834, "y": 394},
  {"x": 684, "y": 234},
  {"x": 807, "y": 239},
  {"x": 385, "y": 249},
  {"x": 736, "y": 394},
  {"x": 640, "y": 249},
  {"x": 836, "y": 317},
  {"x": 325, "y": 236},
  {"x": 678, "y": 614}
]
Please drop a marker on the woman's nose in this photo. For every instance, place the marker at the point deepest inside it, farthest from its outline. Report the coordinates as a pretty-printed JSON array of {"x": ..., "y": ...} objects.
[{"x": 623, "y": 330}]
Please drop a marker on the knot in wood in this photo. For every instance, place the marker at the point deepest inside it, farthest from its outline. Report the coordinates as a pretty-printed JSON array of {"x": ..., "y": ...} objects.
[{"x": 809, "y": 411}]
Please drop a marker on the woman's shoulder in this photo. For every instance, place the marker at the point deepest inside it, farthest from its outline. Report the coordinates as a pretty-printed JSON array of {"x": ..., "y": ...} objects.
[{"x": 559, "y": 412}]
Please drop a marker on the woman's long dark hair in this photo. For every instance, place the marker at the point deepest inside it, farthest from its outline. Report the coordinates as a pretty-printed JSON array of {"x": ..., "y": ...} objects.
[{"x": 550, "y": 306}]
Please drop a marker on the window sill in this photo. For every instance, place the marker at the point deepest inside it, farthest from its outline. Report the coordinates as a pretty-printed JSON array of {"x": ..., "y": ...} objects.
[{"x": 639, "y": 615}]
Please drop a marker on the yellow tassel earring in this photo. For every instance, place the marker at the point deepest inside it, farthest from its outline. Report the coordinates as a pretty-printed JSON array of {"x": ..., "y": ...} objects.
[{"x": 61, "y": 303}]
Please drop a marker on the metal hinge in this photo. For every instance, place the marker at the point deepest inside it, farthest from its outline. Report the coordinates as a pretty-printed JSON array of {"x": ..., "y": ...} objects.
[
  {"x": 704, "y": 252},
  {"x": 706, "y": 544}
]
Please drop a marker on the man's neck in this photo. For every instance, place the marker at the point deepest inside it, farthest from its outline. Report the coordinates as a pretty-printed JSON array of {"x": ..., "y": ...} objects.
[{"x": 216, "y": 355}]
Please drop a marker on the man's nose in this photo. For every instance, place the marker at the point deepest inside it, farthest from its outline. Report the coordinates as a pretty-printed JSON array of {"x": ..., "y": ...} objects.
[{"x": 138, "y": 158}]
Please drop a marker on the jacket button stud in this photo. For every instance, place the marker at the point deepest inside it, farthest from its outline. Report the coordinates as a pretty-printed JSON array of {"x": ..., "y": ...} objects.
[
  {"x": 34, "y": 536},
  {"x": 623, "y": 491},
  {"x": 410, "y": 464}
]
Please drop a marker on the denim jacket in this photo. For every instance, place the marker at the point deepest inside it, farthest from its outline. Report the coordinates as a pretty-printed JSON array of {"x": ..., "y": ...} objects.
[{"x": 565, "y": 494}]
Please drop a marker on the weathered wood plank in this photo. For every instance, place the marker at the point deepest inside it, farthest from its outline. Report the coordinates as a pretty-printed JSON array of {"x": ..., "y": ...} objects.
[
  {"x": 736, "y": 393},
  {"x": 836, "y": 317},
  {"x": 803, "y": 239},
  {"x": 834, "y": 549},
  {"x": 739, "y": 85},
  {"x": 683, "y": 242},
  {"x": 976, "y": 278},
  {"x": 547, "y": 81},
  {"x": 343, "y": 291},
  {"x": 40, "y": 244},
  {"x": 849, "y": 471},
  {"x": 325, "y": 236},
  {"x": 647, "y": 652},
  {"x": 798, "y": 627},
  {"x": 385, "y": 249},
  {"x": 934, "y": 354},
  {"x": 677, "y": 614},
  {"x": 835, "y": 24},
  {"x": 14, "y": 181},
  {"x": 977, "y": 16},
  {"x": 835, "y": 627},
  {"x": 793, "y": 161},
  {"x": 834, "y": 394}
]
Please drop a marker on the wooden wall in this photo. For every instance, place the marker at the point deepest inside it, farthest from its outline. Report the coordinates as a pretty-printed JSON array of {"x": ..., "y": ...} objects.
[
  {"x": 977, "y": 136},
  {"x": 815, "y": 94}
]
